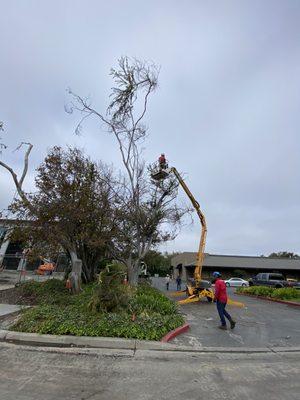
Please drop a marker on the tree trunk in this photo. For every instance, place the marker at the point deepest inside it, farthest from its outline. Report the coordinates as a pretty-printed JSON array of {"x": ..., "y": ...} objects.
[
  {"x": 3, "y": 248},
  {"x": 133, "y": 270},
  {"x": 89, "y": 267},
  {"x": 75, "y": 274}
]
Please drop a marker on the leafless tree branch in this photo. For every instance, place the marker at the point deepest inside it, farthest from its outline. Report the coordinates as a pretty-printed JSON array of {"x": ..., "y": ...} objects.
[{"x": 19, "y": 182}]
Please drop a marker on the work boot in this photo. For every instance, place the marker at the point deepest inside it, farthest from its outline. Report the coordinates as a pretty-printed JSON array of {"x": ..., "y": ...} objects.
[
  {"x": 224, "y": 327},
  {"x": 232, "y": 324}
]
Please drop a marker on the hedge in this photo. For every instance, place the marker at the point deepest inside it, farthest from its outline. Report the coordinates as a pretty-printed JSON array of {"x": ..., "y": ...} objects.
[{"x": 280, "y": 294}]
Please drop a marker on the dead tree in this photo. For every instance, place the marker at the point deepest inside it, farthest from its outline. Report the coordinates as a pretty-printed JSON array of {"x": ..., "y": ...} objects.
[
  {"x": 143, "y": 209},
  {"x": 2, "y": 145},
  {"x": 19, "y": 181}
]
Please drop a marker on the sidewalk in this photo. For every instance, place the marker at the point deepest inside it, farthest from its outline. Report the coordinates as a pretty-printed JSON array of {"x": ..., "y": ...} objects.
[{"x": 8, "y": 309}]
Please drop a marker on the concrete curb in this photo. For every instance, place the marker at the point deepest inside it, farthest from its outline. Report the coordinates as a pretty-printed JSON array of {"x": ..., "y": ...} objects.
[
  {"x": 34, "y": 339},
  {"x": 175, "y": 332},
  {"x": 69, "y": 341},
  {"x": 289, "y": 303}
]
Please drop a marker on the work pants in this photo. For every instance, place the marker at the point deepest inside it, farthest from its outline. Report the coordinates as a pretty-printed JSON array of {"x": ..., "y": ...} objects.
[{"x": 223, "y": 313}]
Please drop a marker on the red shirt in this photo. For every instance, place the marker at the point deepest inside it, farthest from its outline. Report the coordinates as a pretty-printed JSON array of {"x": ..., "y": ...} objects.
[{"x": 220, "y": 291}]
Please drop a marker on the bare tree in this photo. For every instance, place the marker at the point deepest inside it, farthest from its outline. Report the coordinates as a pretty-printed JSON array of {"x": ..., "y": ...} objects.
[
  {"x": 2, "y": 145},
  {"x": 144, "y": 209},
  {"x": 19, "y": 181}
]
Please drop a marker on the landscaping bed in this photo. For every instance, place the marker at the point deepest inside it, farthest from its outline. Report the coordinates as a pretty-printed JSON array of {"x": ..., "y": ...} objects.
[
  {"x": 148, "y": 314},
  {"x": 281, "y": 294}
]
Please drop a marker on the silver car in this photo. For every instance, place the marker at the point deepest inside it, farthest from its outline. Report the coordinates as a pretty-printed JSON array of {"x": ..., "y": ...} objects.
[{"x": 234, "y": 282}]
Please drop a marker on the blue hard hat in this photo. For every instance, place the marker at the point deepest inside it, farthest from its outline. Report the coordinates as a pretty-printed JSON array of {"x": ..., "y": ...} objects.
[{"x": 216, "y": 274}]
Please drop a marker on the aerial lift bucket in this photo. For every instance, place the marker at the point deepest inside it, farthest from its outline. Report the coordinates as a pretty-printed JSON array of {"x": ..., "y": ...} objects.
[{"x": 159, "y": 174}]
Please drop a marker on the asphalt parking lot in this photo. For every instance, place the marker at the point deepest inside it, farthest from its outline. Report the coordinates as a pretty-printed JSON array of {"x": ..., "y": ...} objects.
[
  {"x": 35, "y": 373},
  {"x": 259, "y": 324}
]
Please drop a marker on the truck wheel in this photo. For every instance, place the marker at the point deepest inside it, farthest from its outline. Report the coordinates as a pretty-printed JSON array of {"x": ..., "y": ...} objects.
[
  {"x": 243, "y": 284},
  {"x": 278, "y": 286},
  {"x": 228, "y": 284},
  {"x": 209, "y": 299}
]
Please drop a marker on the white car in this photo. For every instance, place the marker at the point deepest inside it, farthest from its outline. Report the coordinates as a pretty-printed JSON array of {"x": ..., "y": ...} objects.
[{"x": 236, "y": 282}]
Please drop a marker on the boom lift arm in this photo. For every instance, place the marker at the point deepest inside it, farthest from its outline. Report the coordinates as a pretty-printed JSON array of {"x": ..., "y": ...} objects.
[
  {"x": 200, "y": 288},
  {"x": 196, "y": 205}
]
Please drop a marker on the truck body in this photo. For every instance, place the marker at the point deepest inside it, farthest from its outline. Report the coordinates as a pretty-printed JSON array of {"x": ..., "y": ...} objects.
[{"x": 272, "y": 279}]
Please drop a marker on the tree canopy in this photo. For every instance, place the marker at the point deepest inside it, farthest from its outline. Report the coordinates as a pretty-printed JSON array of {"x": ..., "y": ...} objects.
[
  {"x": 284, "y": 254},
  {"x": 70, "y": 208}
]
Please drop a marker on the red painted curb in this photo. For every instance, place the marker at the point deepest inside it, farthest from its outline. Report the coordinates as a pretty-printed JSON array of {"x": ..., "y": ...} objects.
[
  {"x": 289, "y": 303},
  {"x": 169, "y": 336}
]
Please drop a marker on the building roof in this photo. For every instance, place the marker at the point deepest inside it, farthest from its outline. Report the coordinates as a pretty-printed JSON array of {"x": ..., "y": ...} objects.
[{"x": 240, "y": 262}]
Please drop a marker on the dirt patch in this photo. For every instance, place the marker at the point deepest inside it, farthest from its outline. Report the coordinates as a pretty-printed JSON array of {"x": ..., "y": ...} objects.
[{"x": 15, "y": 296}]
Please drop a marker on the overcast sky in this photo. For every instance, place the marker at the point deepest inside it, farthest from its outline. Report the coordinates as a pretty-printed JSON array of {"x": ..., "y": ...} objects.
[{"x": 226, "y": 111}]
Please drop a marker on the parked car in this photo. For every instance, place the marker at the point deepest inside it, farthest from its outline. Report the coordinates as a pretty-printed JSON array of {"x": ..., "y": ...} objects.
[
  {"x": 234, "y": 282},
  {"x": 272, "y": 279}
]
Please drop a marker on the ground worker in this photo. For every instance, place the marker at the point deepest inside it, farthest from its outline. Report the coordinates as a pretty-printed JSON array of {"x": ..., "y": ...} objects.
[
  {"x": 162, "y": 161},
  {"x": 221, "y": 301},
  {"x": 167, "y": 280},
  {"x": 178, "y": 281}
]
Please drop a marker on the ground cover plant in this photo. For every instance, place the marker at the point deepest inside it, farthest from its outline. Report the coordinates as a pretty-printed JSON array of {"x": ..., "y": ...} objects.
[
  {"x": 145, "y": 314},
  {"x": 264, "y": 291}
]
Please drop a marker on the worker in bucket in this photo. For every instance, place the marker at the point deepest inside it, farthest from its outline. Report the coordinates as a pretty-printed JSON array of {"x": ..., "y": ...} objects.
[
  {"x": 162, "y": 161},
  {"x": 221, "y": 301}
]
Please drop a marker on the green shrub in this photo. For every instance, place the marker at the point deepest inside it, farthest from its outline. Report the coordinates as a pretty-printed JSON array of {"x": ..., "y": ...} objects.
[
  {"x": 286, "y": 294},
  {"x": 110, "y": 294},
  {"x": 280, "y": 294},
  {"x": 150, "y": 300},
  {"x": 257, "y": 290}
]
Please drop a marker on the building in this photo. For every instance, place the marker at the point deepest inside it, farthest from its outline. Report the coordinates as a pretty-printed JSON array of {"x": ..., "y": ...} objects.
[
  {"x": 184, "y": 264},
  {"x": 10, "y": 252}
]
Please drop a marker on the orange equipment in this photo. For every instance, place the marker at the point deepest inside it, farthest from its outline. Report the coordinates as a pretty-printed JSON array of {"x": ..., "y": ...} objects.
[{"x": 47, "y": 268}]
